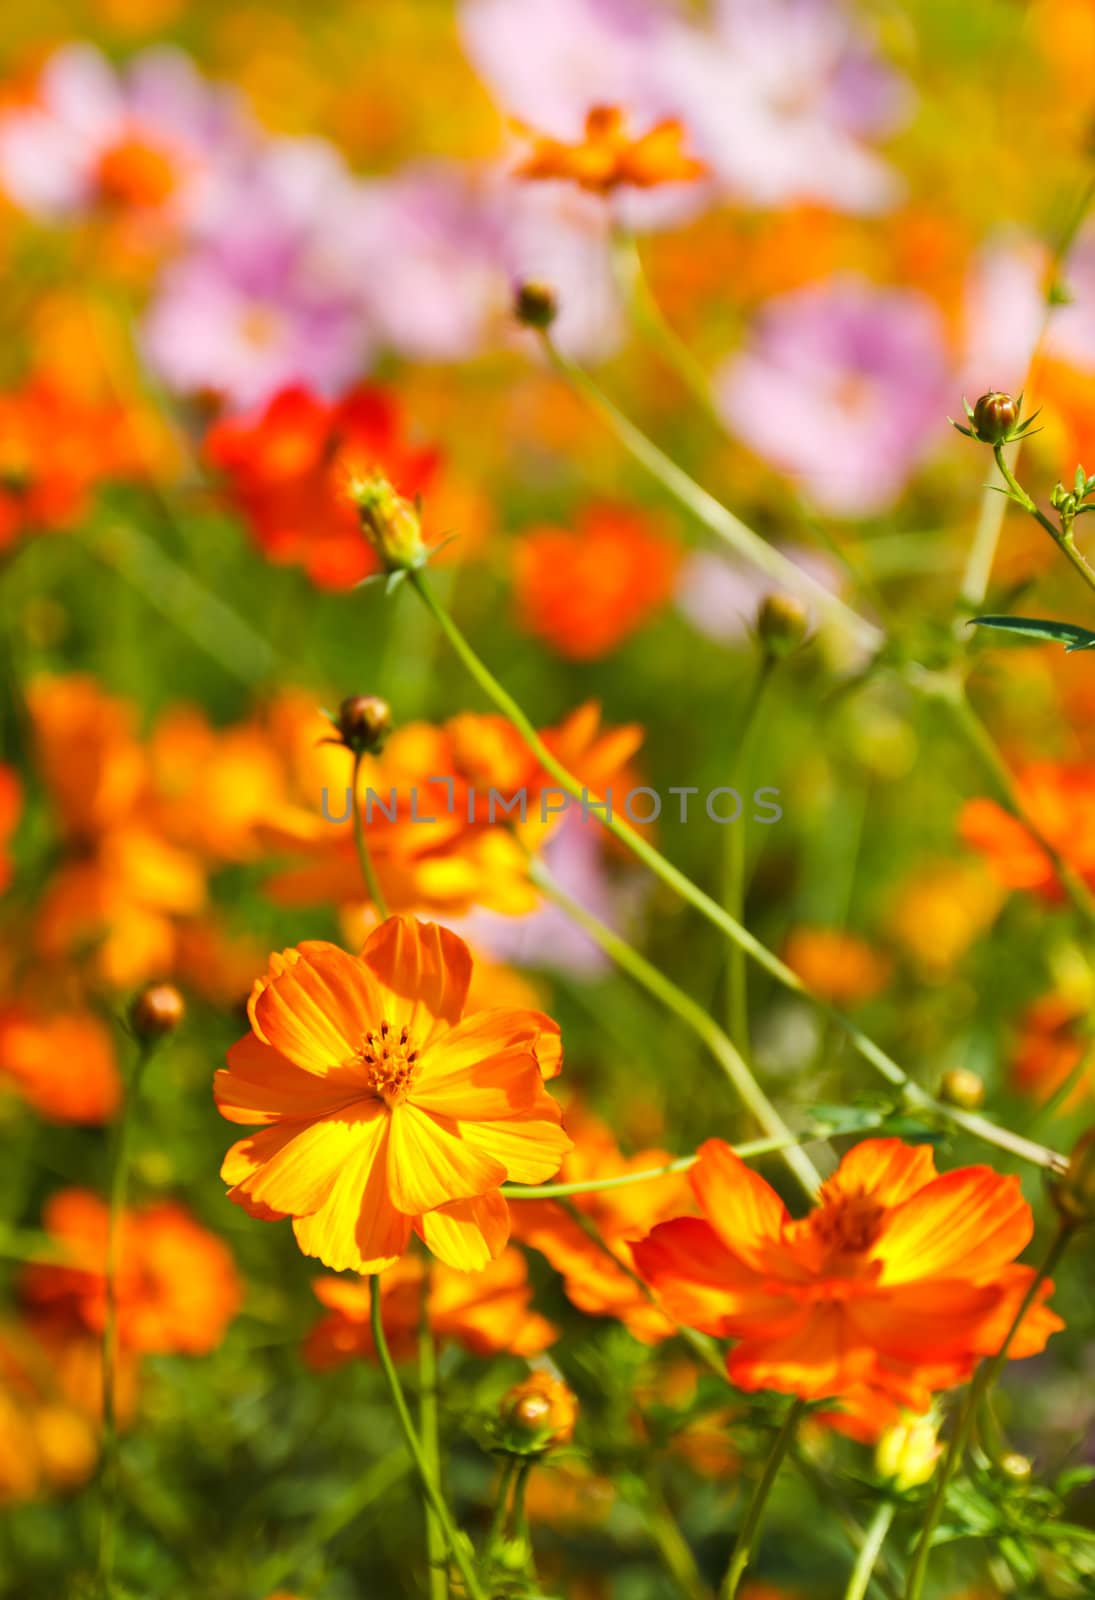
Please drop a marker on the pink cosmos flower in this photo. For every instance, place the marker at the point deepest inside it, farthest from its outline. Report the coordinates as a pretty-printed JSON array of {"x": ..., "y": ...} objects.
[
  {"x": 843, "y": 386},
  {"x": 151, "y": 137}
]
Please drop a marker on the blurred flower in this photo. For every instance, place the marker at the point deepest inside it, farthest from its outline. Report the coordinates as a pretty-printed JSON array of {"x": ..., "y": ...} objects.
[
  {"x": 586, "y": 591},
  {"x": 388, "y": 1108},
  {"x": 610, "y": 156},
  {"x": 908, "y": 1451},
  {"x": 288, "y": 468},
  {"x": 54, "y": 450},
  {"x": 591, "y": 1279},
  {"x": 176, "y": 1284},
  {"x": 778, "y": 96},
  {"x": 938, "y": 912},
  {"x": 843, "y": 386},
  {"x": 897, "y": 1282},
  {"x": 270, "y": 294},
  {"x": 153, "y": 136},
  {"x": 11, "y": 809},
  {"x": 64, "y": 1065},
  {"x": 1054, "y": 1039},
  {"x": 1059, "y": 800},
  {"x": 836, "y": 965},
  {"x": 439, "y": 841},
  {"x": 123, "y": 882},
  {"x": 487, "y": 1312}
]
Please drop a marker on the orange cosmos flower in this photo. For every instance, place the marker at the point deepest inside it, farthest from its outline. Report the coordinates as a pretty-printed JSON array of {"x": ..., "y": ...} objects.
[
  {"x": 176, "y": 1284},
  {"x": 387, "y": 1109},
  {"x": 487, "y": 1312},
  {"x": 609, "y": 156},
  {"x": 1056, "y": 1036},
  {"x": 839, "y": 966},
  {"x": 1060, "y": 802},
  {"x": 54, "y": 449},
  {"x": 591, "y": 1279},
  {"x": 938, "y": 912},
  {"x": 439, "y": 842},
  {"x": 288, "y": 468},
  {"x": 64, "y": 1066},
  {"x": 588, "y": 590},
  {"x": 898, "y": 1282}
]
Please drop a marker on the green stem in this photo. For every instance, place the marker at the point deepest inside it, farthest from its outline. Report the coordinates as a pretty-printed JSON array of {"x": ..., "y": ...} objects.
[
  {"x": 870, "y": 1550},
  {"x": 1025, "y": 1149},
  {"x": 714, "y": 516},
  {"x": 651, "y": 322},
  {"x": 672, "y": 1546},
  {"x": 1064, "y": 541},
  {"x": 499, "y": 1520},
  {"x": 555, "y": 1191},
  {"x": 985, "y": 1376},
  {"x": 368, "y": 870},
  {"x": 695, "y": 1018},
  {"x": 733, "y": 866},
  {"x": 431, "y": 1448},
  {"x": 745, "y": 1544},
  {"x": 456, "y": 1544},
  {"x": 119, "y": 1183},
  {"x": 381, "y": 1476}
]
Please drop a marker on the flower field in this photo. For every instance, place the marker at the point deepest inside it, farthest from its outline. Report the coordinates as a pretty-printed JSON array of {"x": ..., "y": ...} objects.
[{"x": 547, "y": 800}]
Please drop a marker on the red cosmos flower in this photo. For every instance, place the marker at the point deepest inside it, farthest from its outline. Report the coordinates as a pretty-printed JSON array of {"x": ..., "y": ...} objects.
[
  {"x": 1060, "y": 802},
  {"x": 897, "y": 1283},
  {"x": 288, "y": 467},
  {"x": 585, "y": 591}
]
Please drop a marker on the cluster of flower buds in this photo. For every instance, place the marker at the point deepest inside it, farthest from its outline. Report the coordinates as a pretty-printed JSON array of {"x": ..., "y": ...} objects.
[
  {"x": 537, "y": 1415},
  {"x": 363, "y": 724},
  {"x": 995, "y": 419},
  {"x": 1071, "y": 503}
]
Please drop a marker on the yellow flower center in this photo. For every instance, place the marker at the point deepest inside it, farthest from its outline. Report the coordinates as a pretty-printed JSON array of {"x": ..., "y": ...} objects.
[{"x": 389, "y": 1061}]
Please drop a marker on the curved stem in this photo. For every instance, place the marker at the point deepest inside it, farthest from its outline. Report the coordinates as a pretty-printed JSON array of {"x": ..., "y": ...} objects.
[
  {"x": 983, "y": 1380},
  {"x": 1025, "y": 1149},
  {"x": 431, "y": 1449},
  {"x": 695, "y": 1018},
  {"x": 651, "y": 322},
  {"x": 869, "y": 1551},
  {"x": 745, "y": 1543},
  {"x": 1064, "y": 541},
  {"x": 456, "y": 1544},
  {"x": 368, "y": 871},
  {"x": 714, "y": 516},
  {"x": 119, "y": 1183}
]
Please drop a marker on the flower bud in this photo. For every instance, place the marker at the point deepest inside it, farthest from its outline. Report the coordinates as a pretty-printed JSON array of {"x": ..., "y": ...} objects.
[
  {"x": 907, "y": 1451},
  {"x": 1018, "y": 1468},
  {"x": 537, "y": 1414},
  {"x": 535, "y": 305},
  {"x": 994, "y": 417},
  {"x": 963, "y": 1088},
  {"x": 363, "y": 723},
  {"x": 781, "y": 623},
  {"x": 390, "y": 524},
  {"x": 158, "y": 1009},
  {"x": 1073, "y": 1191}
]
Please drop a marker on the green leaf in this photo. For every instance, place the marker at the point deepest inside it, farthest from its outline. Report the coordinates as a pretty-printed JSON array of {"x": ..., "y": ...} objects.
[{"x": 1069, "y": 634}]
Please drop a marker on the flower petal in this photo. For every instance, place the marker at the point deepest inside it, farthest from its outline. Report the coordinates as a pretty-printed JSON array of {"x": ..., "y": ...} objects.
[
  {"x": 696, "y": 1279},
  {"x": 746, "y": 1213},
  {"x": 261, "y": 1085},
  {"x": 358, "y": 1228},
  {"x": 888, "y": 1170},
  {"x": 966, "y": 1224},
  {"x": 292, "y": 1169},
  {"x": 314, "y": 1005},
  {"x": 529, "y": 1146},
  {"x": 469, "y": 1233},
  {"x": 425, "y": 970},
  {"x": 430, "y": 1162}
]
